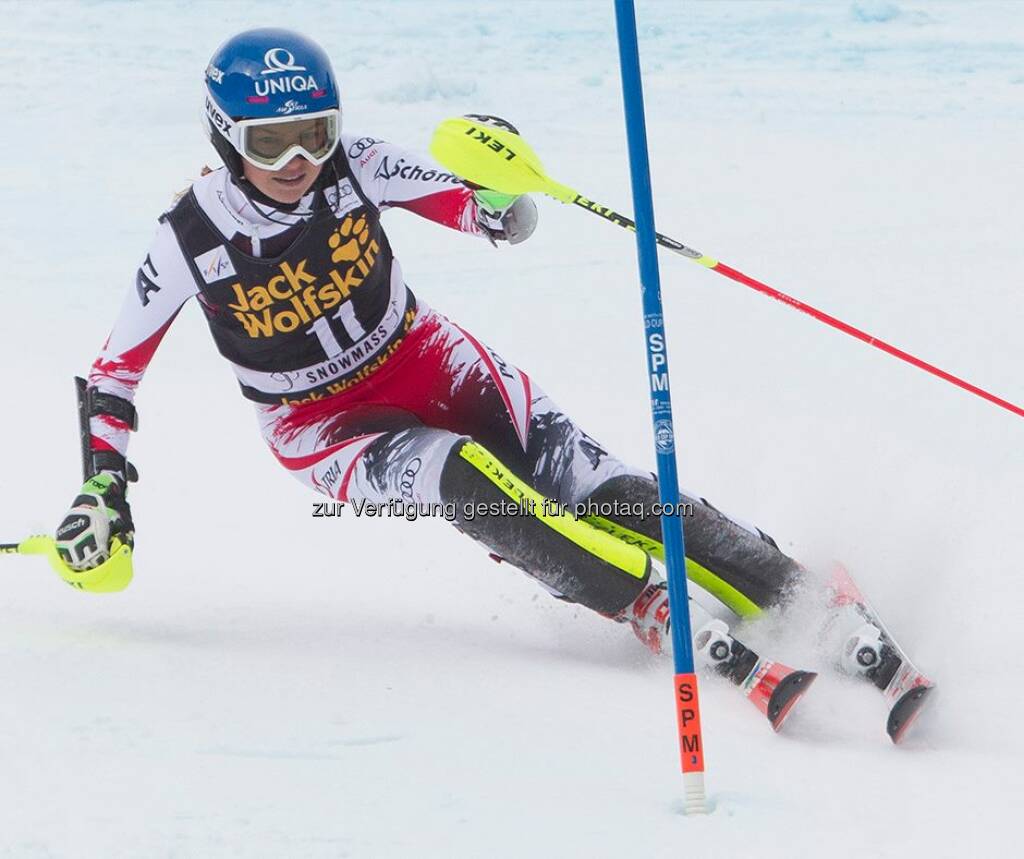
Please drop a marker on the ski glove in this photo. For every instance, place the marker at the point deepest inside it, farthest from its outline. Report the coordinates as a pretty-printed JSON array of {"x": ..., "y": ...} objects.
[
  {"x": 505, "y": 217},
  {"x": 99, "y": 513}
]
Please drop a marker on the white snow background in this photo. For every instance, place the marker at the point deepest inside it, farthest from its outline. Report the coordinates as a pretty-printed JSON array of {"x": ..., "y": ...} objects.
[{"x": 273, "y": 685}]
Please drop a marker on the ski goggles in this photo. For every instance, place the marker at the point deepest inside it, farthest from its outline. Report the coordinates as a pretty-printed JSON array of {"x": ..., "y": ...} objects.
[{"x": 272, "y": 142}]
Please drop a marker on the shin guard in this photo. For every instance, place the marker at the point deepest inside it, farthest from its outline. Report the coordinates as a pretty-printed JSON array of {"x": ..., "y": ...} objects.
[{"x": 569, "y": 556}]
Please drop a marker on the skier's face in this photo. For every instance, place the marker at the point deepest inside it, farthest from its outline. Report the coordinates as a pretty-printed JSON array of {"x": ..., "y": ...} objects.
[{"x": 287, "y": 185}]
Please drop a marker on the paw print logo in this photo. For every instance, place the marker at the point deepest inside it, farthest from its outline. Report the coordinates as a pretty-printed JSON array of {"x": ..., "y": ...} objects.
[{"x": 348, "y": 240}]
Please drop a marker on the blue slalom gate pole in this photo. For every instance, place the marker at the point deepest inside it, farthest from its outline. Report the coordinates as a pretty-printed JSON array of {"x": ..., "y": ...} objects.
[{"x": 691, "y": 743}]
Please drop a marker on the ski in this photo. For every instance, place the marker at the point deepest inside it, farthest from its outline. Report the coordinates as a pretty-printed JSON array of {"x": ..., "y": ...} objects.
[
  {"x": 775, "y": 689},
  {"x": 771, "y": 686},
  {"x": 871, "y": 651}
]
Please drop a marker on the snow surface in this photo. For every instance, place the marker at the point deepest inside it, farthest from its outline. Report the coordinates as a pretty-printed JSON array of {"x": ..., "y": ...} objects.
[{"x": 277, "y": 686}]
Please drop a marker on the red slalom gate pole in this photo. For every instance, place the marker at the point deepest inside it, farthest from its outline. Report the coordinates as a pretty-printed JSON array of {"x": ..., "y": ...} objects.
[
  {"x": 864, "y": 337},
  {"x": 738, "y": 276}
]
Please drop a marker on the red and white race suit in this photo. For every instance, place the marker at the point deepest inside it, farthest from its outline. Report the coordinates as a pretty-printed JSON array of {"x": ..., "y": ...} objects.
[{"x": 365, "y": 393}]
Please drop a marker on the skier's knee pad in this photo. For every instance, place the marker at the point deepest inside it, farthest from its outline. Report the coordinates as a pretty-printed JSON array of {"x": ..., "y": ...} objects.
[{"x": 511, "y": 518}]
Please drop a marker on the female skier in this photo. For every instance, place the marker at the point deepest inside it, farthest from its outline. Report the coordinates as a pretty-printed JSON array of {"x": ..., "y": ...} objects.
[{"x": 365, "y": 393}]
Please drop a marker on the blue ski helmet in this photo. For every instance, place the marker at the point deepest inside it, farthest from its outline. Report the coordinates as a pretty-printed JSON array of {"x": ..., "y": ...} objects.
[{"x": 270, "y": 77}]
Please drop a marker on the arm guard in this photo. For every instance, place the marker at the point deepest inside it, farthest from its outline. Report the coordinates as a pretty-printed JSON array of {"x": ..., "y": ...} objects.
[{"x": 92, "y": 402}]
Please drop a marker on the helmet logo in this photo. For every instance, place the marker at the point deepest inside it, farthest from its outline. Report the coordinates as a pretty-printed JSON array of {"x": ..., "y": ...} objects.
[
  {"x": 219, "y": 120},
  {"x": 293, "y": 84},
  {"x": 280, "y": 60}
]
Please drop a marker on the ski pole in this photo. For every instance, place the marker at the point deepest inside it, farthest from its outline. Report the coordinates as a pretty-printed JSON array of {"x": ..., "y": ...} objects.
[
  {"x": 502, "y": 161},
  {"x": 687, "y": 706}
]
